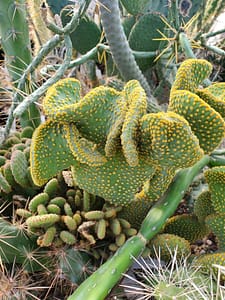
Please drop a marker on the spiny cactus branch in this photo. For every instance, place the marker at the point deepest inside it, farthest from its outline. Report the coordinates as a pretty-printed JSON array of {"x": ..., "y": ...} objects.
[
  {"x": 91, "y": 53},
  {"x": 123, "y": 258},
  {"x": 41, "y": 90},
  {"x": 120, "y": 49},
  {"x": 47, "y": 48}
]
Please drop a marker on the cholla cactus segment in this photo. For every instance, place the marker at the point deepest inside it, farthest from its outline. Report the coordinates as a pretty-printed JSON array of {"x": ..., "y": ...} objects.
[
  {"x": 19, "y": 166},
  {"x": 203, "y": 206},
  {"x": 115, "y": 181},
  {"x": 50, "y": 152},
  {"x": 205, "y": 122},
  {"x": 4, "y": 184},
  {"x": 164, "y": 244},
  {"x": 168, "y": 139},
  {"x": 60, "y": 95},
  {"x": 215, "y": 178},
  {"x": 216, "y": 222},
  {"x": 186, "y": 226},
  {"x": 208, "y": 262},
  {"x": 42, "y": 220},
  {"x": 190, "y": 74}
]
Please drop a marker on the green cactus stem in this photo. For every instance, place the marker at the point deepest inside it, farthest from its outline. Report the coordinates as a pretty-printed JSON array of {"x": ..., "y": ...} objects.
[
  {"x": 121, "y": 52},
  {"x": 113, "y": 269},
  {"x": 15, "y": 42}
]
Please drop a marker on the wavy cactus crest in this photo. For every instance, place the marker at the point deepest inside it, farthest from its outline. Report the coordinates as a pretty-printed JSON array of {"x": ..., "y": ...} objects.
[
  {"x": 101, "y": 136},
  {"x": 200, "y": 107}
]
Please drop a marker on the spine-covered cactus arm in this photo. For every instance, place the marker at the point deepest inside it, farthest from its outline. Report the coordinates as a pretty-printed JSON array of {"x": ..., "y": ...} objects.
[
  {"x": 111, "y": 272},
  {"x": 120, "y": 49},
  {"x": 14, "y": 33}
]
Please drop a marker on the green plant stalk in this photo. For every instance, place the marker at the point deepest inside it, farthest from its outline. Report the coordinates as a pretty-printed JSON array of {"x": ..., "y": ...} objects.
[
  {"x": 111, "y": 271},
  {"x": 120, "y": 49},
  {"x": 42, "y": 89},
  {"x": 47, "y": 47},
  {"x": 91, "y": 54}
]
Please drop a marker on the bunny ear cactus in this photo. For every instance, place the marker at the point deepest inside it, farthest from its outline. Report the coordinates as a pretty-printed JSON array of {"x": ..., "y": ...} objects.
[
  {"x": 100, "y": 135},
  {"x": 205, "y": 122},
  {"x": 215, "y": 221}
]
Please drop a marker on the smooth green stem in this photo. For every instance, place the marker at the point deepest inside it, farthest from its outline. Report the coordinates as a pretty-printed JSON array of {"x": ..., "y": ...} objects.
[
  {"x": 92, "y": 53},
  {"x": 100, "y": 283},
  {"x": 218, "y": 152},
  {"x": 41, "y": 90},
  {"x": 216, "y": 161},
  {"x": 211, "y": 34}
]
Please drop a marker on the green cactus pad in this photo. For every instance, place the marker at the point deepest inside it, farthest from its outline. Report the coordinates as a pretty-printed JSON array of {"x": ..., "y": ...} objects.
[
  {"x": 152, "y": 190},
  {"x": 205, "y": 122},
  {"x": 49, "y": 152},
  {"x": 82, "y": 149},
  {"x": 63, "y": 93},
  {"x": 190, "y": 74},
  {"x": 19, "y": 166},
  {"x": 203, "y": 206},
  {"x": 216, "y": 222},
  {"x": 86, "y": 35},
  {"x": 135, "y": 7},
  {"x": 207, "y": 262},
  {"x": 115, "y": 181},
  {"x": 136, "y": 99},
  {"x": 141, "y": 38},
  {"x": 168, "y": 139},
  {"x": 165, "y": 245},
  {"x": 215, "y": 178},
  {"x": 187, "y": 227},
  {"x": 215, "y": 102},
  {"x": 2, "y": 160}
]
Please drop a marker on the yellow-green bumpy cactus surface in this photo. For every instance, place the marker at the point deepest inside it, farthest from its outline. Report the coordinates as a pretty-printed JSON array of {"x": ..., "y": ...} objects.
[{"x": 113, "y": 145}]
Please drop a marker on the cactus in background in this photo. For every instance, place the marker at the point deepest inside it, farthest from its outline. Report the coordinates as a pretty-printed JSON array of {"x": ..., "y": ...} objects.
[
  {"x": 87, "y": 34},
  {"x": 40, "y": 34},
  {"x": 119, "y": 47},
  {"x": 215, "y": 178},
  {"x": 16, "y": 45}
]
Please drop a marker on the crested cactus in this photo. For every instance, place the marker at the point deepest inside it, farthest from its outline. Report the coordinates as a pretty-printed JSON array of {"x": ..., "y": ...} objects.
[
  {"x": 89, "y": 140},
  {"x": 184, "y": 100}
]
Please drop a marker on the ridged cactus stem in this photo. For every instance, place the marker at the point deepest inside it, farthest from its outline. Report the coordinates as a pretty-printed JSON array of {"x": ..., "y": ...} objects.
[
  {"x": 111, "y": 272},
  {"x": 120, "y": 49},
  {"x": 15, "y": 42}
]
